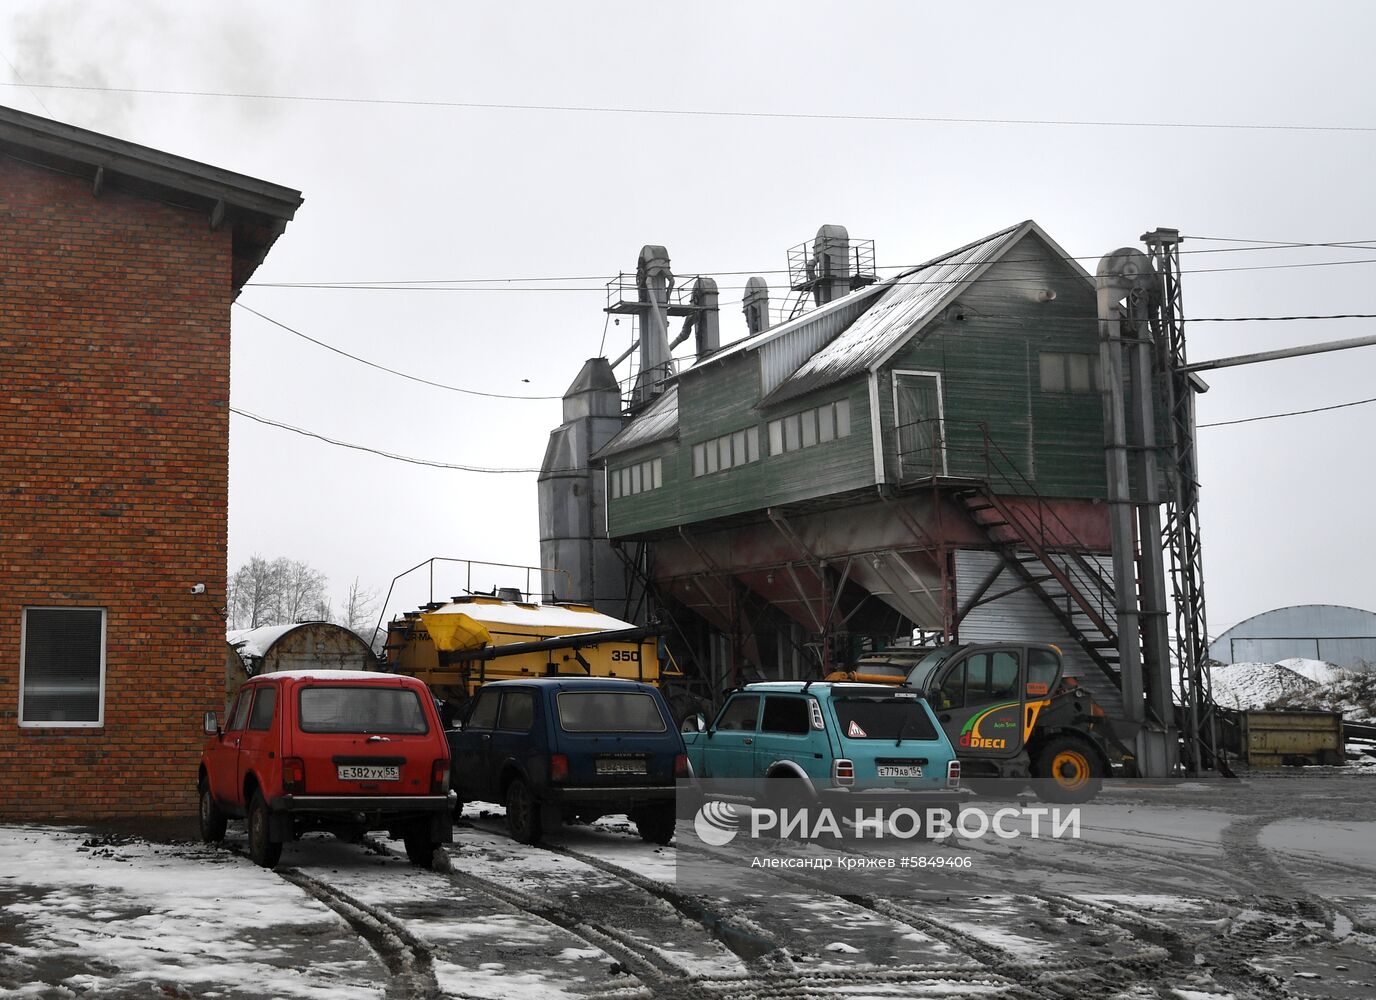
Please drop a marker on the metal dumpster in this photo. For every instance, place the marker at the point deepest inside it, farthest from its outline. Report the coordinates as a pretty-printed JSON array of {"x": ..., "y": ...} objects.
[{"x": 1268, "y": 739}]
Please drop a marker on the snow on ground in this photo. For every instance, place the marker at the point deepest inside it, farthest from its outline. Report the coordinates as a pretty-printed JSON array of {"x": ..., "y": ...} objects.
[
  {"x": 82, "y": 915},
  {"x": 480, "y": 948},
  {"x": 1318, "y": 671},
  {"x": 1297, "y": 684},
  {"x": 1255, "y": 685}
]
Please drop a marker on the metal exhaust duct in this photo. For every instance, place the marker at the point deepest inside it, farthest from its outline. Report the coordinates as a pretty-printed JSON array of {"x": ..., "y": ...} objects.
[
  {"x": 755, "y": 305},
  {"x": 654, "y": 281},
  {"x": 829, "y": 267}
]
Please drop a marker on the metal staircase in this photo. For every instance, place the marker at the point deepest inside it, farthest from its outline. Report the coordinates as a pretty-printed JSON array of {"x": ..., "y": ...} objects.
[{"x": 1071, "y": 587}]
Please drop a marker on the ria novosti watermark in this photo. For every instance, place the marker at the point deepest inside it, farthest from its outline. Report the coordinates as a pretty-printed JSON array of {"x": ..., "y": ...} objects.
[{"x": 718, "y": 823}]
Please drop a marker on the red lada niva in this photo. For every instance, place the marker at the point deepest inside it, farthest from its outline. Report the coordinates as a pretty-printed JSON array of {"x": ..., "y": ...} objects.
[{"x": 338, "y": 750}]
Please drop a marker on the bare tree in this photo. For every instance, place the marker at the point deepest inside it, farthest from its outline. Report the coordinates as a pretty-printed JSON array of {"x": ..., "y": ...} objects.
[
  {"x": 277, "y": 593},
  {"x": 360, "y": 607},
  {"x": 254, "y": 593},
  {"x": 302, "y": 593}
]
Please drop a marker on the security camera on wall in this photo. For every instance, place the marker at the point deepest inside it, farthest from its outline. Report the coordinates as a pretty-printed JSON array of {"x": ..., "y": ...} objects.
[{"x": 198, "y": 588}]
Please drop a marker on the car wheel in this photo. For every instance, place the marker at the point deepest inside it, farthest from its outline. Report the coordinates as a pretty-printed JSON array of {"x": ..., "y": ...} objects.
[
  {"x": 1069, "y": 770},
  {"x": 522, "y": 813},
  {"x": 212, "y": 821},
  {"x": 655, "y": 823},
  {"x": 420, "y": 849},
  {"x": 261, "y": 848}
]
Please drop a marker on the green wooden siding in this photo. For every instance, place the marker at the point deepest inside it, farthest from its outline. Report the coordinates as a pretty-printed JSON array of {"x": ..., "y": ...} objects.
[
  {"x": 989, "y": 362},
  {"x": 722, "y": 400}
]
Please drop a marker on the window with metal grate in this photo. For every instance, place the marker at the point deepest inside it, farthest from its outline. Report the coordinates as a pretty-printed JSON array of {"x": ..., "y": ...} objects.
[{"x": 62, "y": 667}]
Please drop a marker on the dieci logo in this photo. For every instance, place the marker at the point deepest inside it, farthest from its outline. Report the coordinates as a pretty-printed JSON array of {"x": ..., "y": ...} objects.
[{"x": 970, "y": 735}]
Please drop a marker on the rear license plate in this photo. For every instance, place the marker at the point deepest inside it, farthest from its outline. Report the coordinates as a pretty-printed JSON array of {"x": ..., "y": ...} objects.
[
  {"x": 620, "y": 766},
  {"x": 368, "y": 772},
  {"x": 895, "y": 771}
]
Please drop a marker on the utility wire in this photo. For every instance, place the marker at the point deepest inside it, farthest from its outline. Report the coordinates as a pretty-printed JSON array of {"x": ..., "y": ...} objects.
[
  {"x": 604, "y": 279},
  {"x": 1277, "y": 319},
  {"x": 892, "y": 282},
  {"x": 359, "y": 447},
  {"x": 390, "y": 371},
  {"x": 706, "y": 113},
  {"x": 24, "y": 83},
  {"x": 1292, "y": 413}
]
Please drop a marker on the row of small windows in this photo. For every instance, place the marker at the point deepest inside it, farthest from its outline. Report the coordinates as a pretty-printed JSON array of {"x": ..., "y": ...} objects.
[
  {"x": 639, "y": 478},
  {"x": 726, "y": 452},
  {"x": 803, "y": 430},
  {"x": 1069, "y": 372}
]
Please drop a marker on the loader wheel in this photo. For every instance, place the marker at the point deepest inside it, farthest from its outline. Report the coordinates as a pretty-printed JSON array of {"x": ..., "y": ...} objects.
[{"x": 1068, "y": 770}]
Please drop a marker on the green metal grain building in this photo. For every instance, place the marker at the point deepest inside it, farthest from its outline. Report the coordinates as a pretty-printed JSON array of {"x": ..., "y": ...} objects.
[{"x": 922, "y": 452}]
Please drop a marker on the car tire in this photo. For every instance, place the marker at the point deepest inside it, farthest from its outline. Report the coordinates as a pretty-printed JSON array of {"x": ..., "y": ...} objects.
[
  {"x": 523, "y": 813},
  {"x": 655, "y": 824},
  {"x": 264, "y": 851},
  {"x": 420, "y": 849},
  {"x": 213, "y": 821},
  {"x": 1068, "y": 770}
]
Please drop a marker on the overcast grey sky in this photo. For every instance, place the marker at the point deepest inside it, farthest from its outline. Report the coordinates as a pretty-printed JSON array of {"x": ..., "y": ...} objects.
[{"x": 406, "y": 192}]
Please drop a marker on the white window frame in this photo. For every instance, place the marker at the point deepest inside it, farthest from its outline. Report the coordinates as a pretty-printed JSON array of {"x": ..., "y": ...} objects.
[
  {"x": 940, "y": 410},
  {"x": 23, "y": 655}
]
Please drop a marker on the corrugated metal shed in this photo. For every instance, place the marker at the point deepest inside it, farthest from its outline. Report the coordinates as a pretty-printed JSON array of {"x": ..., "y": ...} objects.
[
  {"x": 321, "y": 645},
  {"x": 659, "y": 422},
  {"x": 1339, "y": 635},
  {"x": 909, "y": 300}
]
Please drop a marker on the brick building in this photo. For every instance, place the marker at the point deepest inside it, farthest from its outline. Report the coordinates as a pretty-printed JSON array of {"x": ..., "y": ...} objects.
[{"x": 118, "y": 266}]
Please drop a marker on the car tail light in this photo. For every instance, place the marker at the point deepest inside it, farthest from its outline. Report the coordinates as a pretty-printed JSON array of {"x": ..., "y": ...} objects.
[
  {"x": 558, "y": 767},
  {"x": 439, "y": 777},
  {"x": 681, "y": 766},
  {"x": 293, "y": 775},
  {"x": 953, "y": 774},
  {"x": 843, "y": 772}
]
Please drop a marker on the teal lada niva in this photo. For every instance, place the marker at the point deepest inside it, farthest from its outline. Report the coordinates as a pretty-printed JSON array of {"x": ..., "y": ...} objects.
[{"x": 871, "y": 744}]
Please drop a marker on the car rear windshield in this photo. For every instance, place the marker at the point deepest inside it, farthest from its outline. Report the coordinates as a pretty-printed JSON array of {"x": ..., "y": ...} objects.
[
  {"x": 869, "y": 717},
  {"x": 360, "y": 709},
  {"x": 609, "y": 712}
]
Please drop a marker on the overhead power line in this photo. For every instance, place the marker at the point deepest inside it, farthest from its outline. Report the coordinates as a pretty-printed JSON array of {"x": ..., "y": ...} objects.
[
  {"x": 384, "y": 454},
  {"x": 1291, "y": 413},
  {"x": 603, "y": 279},
  {"x": 384, "y": 368},
  {"x": 1277, "y": 319},
  {"x": 710, "y": 113},
  {"x": 894, "y": 281}
]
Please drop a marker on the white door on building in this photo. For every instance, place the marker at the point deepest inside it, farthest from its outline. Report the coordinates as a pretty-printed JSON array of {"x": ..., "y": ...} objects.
[{"x": 918, "y": 409}]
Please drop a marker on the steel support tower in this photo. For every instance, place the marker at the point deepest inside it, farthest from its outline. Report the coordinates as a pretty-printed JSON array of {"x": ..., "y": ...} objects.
[{"x": 1181, "y": 535}]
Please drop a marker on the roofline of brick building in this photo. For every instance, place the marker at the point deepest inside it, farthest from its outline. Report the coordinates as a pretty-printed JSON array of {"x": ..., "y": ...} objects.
[{"x": 257, "y": 210}]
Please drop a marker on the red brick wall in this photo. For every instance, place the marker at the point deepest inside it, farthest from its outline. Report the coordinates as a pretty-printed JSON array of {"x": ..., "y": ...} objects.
[{"x": 114, "y": 440}]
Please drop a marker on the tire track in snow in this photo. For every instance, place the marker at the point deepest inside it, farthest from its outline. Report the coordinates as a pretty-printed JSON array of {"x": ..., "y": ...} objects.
[
  {"x": 406, "y": 958},
  {"x": 660, "y": 974},
  {"x": 750, "y": 942}
]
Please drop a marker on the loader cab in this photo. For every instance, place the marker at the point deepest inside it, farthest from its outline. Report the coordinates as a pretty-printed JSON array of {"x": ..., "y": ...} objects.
[{"x": 987, "y": 696}]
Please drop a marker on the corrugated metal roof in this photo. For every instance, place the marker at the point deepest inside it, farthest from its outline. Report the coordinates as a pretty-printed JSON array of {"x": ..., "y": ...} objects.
[
  {"x": 804, "y": 326},
  {"x": 658, "y": 423},
  {"x": 909, "y": 299},
  {"x": 1331, "y": 632}
]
